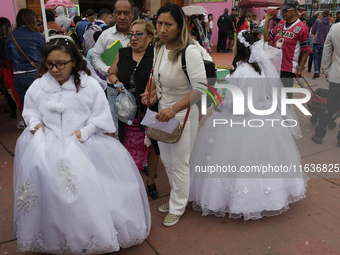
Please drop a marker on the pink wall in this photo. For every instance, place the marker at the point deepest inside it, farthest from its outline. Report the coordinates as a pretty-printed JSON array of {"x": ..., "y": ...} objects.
[
  {"x": 7, "y": 10},
  {"x": 216, "y": 8}
]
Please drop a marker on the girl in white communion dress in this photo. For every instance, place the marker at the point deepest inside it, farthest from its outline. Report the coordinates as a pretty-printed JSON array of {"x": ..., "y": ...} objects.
[
  {"x": 77, "y": 191},
  {"x": 232, "y": 152}
]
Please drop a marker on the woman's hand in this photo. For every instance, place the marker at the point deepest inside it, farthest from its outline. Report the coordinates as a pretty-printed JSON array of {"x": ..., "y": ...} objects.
[
  {"x": 120, "y": 89},
  {"x": 165, "y": 115},
  {"x": 36, "y": 128},
  {"x": 153, "y": 97},
  {"x": 77, "y": 133}
]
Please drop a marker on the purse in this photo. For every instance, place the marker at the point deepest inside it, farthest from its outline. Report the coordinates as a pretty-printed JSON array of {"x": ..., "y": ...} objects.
[
  {"x": 160, "y": 135},
  {"x": 31, "y": 62}
]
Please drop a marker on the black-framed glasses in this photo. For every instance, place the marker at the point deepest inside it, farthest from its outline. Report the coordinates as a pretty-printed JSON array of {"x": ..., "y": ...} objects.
[
  {"x": 137, "y": 35},
  {"x": 59, "y": 66}
]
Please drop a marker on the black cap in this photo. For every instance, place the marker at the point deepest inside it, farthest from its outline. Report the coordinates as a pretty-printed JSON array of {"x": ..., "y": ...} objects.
[
  {"x": 234, "y": 9},
  {"x": 289, "y": 4},
  {"x": 89, "y": 12}
]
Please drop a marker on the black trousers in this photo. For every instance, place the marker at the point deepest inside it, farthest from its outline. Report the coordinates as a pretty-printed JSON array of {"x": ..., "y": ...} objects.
[
  {"x": 222, "y": 39},
  {"x": 287, "y": 79}
]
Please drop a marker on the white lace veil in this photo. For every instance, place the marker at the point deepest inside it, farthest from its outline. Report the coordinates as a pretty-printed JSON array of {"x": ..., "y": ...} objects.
[{"x": 269, "y": 59}]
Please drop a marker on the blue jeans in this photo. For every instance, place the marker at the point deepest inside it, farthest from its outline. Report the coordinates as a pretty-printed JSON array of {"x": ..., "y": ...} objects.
[
  {"x": 331, "y": 106},
  {"x": 111, "y": 97},
  {"x": 22, "y": 82},
  {"x": 209, "y": 36},
  {"x": 317, "y": 56}
]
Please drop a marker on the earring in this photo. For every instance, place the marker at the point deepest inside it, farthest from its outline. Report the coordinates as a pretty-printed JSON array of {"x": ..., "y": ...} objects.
[{"x": 74, "y": 66}]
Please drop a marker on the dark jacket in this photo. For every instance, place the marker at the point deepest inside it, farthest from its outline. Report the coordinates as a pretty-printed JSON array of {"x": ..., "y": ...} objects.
[
  {"x": 320, "y": 30},
  {"x": 30, "y": 42},
  {"x": 311, "y": 21},
  {"x": 224, "y": 22}
]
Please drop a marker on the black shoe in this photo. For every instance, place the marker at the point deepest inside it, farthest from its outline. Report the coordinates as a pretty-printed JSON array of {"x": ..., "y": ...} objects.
[
  {"x": 309, "y": 71},
  {"x": 316, "y": 75},
  {"x": 13, "y": 115},
  {"x": 219, "y": 51},
  {"x": 152, "y": 190}
]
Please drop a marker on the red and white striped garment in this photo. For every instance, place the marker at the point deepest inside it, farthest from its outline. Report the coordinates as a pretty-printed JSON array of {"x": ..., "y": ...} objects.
[{"x": 292, "y": 40}]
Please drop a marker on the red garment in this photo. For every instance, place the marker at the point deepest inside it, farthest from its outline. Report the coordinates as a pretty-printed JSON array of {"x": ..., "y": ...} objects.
[
  {"x": 8, "y": 76},
  {"x": 52, "y": 25},
  {"x": 292, "y": 40},
  {"x": 243, "y": 26},
  {"x": 134, "y": 143}
]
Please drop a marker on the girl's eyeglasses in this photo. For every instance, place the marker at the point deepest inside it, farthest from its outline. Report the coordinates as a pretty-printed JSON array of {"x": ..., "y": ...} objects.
[
  {"x": 137, "y": 35},
  {"x": 59, "y": 66}
]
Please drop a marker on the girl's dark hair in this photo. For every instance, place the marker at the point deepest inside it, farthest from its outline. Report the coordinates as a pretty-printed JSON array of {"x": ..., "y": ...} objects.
[
  {"x": 241, "y": 21},
  {"x": 5, "y": 28},
  {"x": 68, "y": 47},
  {"x": 26, "y": 17},
  {"x": 243, "y": 52}
]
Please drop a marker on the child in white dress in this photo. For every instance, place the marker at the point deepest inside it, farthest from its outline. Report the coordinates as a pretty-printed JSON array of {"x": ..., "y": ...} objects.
[
  {"x": 77, "y": 191},
  {"x": 239, "y": 144}
]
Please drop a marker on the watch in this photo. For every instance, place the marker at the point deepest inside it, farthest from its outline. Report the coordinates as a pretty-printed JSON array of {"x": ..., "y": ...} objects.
[{"x": 115, "y": 81}]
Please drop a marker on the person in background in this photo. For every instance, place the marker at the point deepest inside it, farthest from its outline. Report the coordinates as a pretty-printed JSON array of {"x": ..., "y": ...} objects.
[
  {"x": 105, "y": 19},
  {"x": 331, "y": 69},
  {"x": 255, "y": 24},
  {"x": 146, "y": 15},
  {"x": 313, "y": 19},
  {"x": 320, "y": 30},
  {"x": 51, "y": 24},
  {"x": 62, "y": 20},
  {"x": 310, "y": 59},
  {"x": 38, "y": 19},
  {"x": 123, "y": 15},
  {"x": 292, "y": 46},
  {"x": 7, "y": 76},
  {"x": 242, "y": 24},
  {"x": 224, "y": 25},
  {"x": 31, "y": 41},
  {"x": 84, "y": 24},
  {"x": 90, "y": 51},
  {"x": 74, "y": 22},
  {"x": 210, "y": 26},
  {"x": 337, "y": 17},
  {"x": 250, "y": 21}
]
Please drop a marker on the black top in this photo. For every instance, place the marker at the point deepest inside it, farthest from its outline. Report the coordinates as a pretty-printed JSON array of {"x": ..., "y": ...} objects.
[
  {"x": 224, "y": 22},
  {"x": 233, "y": 20},
  {"x": 126, "y": 66}
]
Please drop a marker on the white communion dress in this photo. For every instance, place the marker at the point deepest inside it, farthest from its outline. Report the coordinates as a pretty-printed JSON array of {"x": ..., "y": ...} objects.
[
  {"x": 240, "y": 146},
  {"x": 75, "y": 196}
]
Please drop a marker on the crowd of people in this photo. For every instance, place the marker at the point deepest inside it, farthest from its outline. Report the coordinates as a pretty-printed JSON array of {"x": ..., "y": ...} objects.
[{"x": 78, "y": 187}]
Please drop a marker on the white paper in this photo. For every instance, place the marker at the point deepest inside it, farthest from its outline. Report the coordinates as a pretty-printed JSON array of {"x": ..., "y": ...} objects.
[{"x": 151, "y": 121}]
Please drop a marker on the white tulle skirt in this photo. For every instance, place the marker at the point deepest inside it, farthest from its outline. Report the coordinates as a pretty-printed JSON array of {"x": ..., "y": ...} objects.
[
  {"x": 238, "y": 194},
  {"x": 77, "y": 198}
]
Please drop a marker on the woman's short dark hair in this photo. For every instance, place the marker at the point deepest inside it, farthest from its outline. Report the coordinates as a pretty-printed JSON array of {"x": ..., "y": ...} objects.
[
  {"x": 50, "y": 16},
  {"x": 67, "y": 46},
  {"x": 26, "y": 17},
  {"x": 243, "y": 52}
]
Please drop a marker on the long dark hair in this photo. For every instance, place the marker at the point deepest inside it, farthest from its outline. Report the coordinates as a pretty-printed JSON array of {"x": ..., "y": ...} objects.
[
  {"x": 5, "y": 28},
  {"x": 243, "y": 52},
  {"x": 241, "y": 21},
  {"x": 68, "y": 47},
  {"x": 26, "y": 17}
]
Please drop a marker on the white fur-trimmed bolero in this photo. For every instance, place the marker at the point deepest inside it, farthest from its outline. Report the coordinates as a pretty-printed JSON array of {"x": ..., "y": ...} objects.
[{"x": 63, "y": 110}]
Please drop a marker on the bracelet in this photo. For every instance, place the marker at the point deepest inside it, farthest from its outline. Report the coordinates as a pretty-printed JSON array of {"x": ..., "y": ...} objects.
[
  {"x": 172, "y": 110},
  {"x": 115, "y": 82}
]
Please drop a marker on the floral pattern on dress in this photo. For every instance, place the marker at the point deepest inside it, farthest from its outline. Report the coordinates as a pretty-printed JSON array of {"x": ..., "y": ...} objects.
[
  {"x": 69, "y": 186},
  {"x": 26, "y": 197}
]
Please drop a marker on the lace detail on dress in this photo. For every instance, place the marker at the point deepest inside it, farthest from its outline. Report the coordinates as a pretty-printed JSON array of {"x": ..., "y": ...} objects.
[
  {"x": 232, "y": 189},
  {"x": 64, "y": 248},
  {"x": 137, "y": 238},
  {"x": 26, "y": 199},
  {"x": 16, "y": 227},
  {"x": 92, "y": 247},
  {"x": 37, "y": 244},
  {"x": 69, "y": 186}
]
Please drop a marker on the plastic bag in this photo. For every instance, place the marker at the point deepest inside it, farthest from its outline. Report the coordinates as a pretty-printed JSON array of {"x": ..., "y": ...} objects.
[{"x": 125, "y": 107}]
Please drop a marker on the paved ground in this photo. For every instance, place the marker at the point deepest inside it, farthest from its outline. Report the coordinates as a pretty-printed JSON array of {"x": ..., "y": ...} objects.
[{"x": 311, "y": 226}]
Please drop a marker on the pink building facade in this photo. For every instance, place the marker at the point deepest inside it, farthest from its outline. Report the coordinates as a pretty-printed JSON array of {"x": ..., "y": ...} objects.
[{"x": 7, "y": 10}]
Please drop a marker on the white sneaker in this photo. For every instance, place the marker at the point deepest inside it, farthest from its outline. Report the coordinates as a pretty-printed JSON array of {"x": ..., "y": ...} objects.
[{"x": 20, "y": 124}]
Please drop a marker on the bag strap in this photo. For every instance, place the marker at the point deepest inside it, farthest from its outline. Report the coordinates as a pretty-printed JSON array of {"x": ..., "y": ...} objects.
[
  {"x": 31, "y": 62},
  {"x": 184, "y": 63}
]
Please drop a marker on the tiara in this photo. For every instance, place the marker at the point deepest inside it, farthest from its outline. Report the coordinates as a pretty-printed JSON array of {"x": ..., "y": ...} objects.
[
  {"x": 66, "y": 37},
  {"x": 241, "y": 38}
]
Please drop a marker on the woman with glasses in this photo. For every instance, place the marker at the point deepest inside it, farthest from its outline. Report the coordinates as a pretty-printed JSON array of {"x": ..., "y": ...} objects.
[
  {"x": 131, "y": 69},
  {"x": 77, "y": 191},
  {"x": 30, "y": 40}
]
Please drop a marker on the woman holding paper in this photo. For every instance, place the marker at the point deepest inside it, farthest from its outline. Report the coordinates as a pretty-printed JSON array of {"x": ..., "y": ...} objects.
[
  {"x": 173, "y": 92},
  {"x": 131, "y": 69}
]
